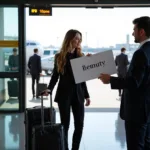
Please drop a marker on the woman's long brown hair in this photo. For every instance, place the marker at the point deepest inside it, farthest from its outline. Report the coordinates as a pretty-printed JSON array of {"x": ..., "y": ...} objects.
[{"x": 67, "y": 47}]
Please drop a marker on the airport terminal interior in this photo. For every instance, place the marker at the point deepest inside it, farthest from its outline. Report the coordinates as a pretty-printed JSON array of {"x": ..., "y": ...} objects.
[{"x": 102, "y": 30}]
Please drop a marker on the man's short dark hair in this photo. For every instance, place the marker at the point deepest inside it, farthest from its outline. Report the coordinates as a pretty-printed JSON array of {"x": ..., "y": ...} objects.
[
  {"x": 123, "y": 49},
  {"x": 35, "y": 50},
  {"x": 14, "y": 49},
  {"x": 143, "y": 23}
]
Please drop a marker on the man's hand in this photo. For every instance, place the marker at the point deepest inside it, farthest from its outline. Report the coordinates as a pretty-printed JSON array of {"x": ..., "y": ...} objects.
[
  {"x": 87, "y": 102},
  {"x": 105, "y": 78}
]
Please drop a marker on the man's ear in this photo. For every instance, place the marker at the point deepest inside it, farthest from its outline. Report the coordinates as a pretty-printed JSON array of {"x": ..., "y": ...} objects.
[{"x": 142, "y": 32}]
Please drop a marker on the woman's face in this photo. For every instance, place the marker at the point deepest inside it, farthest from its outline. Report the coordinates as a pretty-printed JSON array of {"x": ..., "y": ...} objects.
[{"x": 76, "y": 41}]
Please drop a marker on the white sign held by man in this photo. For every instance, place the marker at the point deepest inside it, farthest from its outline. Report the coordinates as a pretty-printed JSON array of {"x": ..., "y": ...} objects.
[{"x": 89, "y": 67}]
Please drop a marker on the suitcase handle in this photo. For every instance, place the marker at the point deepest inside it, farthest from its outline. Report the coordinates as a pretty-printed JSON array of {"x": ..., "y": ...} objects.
[
  {"x": 42, "y": 109},
  {"x": 42, "y": 77},
  {"x": 51, "y": 108},
  {"x": 42, "y": 112}
]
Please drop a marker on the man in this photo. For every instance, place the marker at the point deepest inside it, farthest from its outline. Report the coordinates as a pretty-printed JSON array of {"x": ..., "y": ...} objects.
[
  {"x": 34, "y": 65},
  {"x": 13, "y": 61},
  {"x": 122, "y": 63},
  {"x": 135, "y": 100}
]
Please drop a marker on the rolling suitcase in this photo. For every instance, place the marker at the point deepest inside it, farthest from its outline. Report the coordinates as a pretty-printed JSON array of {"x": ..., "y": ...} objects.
[
  {"x": 41, "y": 87},
  {"x": 48, "y": 136},
  {"x": 13, "y": 88},
  {"x": 32, "y": 118}
]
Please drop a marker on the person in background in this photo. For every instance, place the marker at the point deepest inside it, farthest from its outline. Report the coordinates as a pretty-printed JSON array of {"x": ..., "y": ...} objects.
[
  {"x": 34, "y": 65},
  {"x": 122, "y": 63},
  {"x": 13, "y": 61},
  {"x": 69, "y": 94},
  {"x": 135, "y": 100}
]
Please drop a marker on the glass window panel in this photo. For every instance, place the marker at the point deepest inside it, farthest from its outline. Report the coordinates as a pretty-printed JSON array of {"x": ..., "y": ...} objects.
[
  {"x": 10, "y": 16},
  {"x": 55, "y": 51},
  {"x": 9, "y": 91},
  {"x": 46, "y": 52},
  {"x": 9, "y": 39}
]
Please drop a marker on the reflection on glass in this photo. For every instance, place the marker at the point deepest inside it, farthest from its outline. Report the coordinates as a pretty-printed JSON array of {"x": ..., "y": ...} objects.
[
  {"x": 120, "y": 132},
  {"x": 9, "y": 92},
  {"x": 13, "y": 61},
  {"x": 9, "y": 59},
  {"x": 11, "y": 132}
]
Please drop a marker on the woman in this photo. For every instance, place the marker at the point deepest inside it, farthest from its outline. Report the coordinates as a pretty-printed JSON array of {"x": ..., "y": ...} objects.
[{"x": 68, "y": 94}]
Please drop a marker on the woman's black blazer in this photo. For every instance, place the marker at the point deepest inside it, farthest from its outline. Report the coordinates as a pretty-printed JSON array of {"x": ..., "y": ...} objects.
[{"x": 66, "y": 82}]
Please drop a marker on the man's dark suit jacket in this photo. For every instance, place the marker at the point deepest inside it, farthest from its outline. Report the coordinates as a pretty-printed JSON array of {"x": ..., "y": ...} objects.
[
  {"x": 122, "y": 62},
  {"x": 135, "y": 102},
  {"x": 13, "y": 62},
  {"x": 34, "y": 64},
  {"x": 67, "y": 83}
]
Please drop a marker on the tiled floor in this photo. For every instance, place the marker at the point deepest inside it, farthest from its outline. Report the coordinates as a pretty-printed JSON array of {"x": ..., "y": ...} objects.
[{"x": 102, "y": 131}]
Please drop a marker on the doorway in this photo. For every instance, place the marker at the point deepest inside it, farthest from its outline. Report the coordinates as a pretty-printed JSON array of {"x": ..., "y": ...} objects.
[{"x": 102, "y": 29}]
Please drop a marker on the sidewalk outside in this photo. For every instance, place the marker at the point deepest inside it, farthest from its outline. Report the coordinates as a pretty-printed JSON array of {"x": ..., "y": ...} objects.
[{"x": 101, "y": 95}]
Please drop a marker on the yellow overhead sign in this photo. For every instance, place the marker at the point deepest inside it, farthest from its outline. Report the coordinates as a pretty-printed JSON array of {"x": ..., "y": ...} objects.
[
  {"x": 40, "y": 11},
  {"x": 34, "y": 10},
  {"x": 8, "y": 43}
]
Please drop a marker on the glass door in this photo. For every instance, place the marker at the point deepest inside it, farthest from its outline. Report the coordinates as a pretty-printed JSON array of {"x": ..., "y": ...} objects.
[{"x": 9, "y": 59}]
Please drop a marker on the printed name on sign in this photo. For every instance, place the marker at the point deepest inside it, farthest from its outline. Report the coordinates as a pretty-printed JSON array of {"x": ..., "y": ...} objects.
[{"x": 99, "y": 64}]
